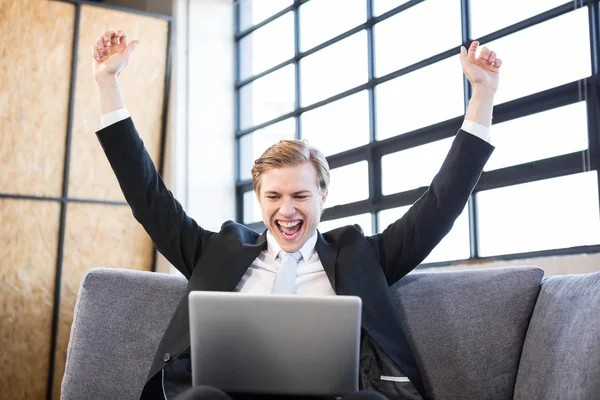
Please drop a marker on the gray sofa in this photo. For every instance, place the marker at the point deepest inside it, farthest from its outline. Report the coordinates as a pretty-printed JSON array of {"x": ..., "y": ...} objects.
[{"x": 504, "y": 333}]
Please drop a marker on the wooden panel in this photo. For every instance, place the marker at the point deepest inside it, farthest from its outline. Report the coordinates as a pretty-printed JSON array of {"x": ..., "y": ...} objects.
[
  {"x": 142, "y": 84},
  {"x": 96, "y": 236},
  {"x": 36, "y": 41},
  {"x": 28, "y": 251}
]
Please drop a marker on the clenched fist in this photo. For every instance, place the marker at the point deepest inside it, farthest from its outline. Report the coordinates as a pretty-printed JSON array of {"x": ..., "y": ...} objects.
[{"x": 111, "y": 54}]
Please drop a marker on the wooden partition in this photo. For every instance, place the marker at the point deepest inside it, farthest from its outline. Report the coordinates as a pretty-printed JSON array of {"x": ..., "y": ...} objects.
[
  {"x": 142, "y": 83},
  {"x": 28, "y": 252},
  {"x": 36, "y": 43},
  {"x": 61, "y": 209}
]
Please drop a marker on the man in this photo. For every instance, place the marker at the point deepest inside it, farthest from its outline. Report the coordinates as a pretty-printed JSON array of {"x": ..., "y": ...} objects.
[{"x": 291, "y": 181}]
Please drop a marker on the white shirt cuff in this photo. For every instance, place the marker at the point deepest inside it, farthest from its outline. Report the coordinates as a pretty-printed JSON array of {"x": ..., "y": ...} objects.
[
  {"x": 113, "y": 117},
  {"x": 482, "y": 132}
]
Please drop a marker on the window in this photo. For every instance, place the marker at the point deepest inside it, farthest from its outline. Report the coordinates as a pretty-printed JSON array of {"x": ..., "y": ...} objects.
[
  {"x": 338, "y": 126},
  {"x": 548, "y": 214},
  {"x": 253, "y": 12},
  {"x": 363, "y": 220},
  {"x": 454, "y": 246},
  {"x": 382, "y": 6},
  {"x": 251, "y": 208},
  {"x": 267, "y": 46},
  {"x": 348, "y": 184},
  {"x": 381, "y": 96},
  {"x": 404, "y": 104},
  {"x": 334, "y": 69},
  {"x": 267, "y": 98},
  {"x": 488, "y": 16},
  {"x": 430, "y": 35},
  {"x": 413, "y": 168},
  {"x": 522, "y": 77},
  {"x": 543, "y": 135},
  {"x": 254, "y": 144},
  {"x": 317, "y": 25}
]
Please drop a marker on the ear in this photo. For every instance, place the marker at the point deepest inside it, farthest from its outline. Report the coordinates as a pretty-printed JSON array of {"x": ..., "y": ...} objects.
[{"x": 324, "y": 197}]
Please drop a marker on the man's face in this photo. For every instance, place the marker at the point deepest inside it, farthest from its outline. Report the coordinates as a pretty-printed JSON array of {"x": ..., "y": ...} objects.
[{"x": 291, "y": 204}]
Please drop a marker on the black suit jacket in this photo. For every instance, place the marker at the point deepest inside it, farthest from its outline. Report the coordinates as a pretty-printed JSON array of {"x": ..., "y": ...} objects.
[{"x": 355, "y": 264}]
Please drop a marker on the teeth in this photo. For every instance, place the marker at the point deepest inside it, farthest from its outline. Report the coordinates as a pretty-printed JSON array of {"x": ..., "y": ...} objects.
[{"x": 288, "y": 224}]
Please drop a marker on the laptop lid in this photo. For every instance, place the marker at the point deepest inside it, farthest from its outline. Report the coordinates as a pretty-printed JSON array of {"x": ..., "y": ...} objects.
[{"x": 275, "y": 344}]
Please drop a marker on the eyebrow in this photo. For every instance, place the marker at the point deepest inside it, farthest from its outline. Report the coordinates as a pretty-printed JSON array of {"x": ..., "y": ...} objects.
[{"x": 293, "y": 194}]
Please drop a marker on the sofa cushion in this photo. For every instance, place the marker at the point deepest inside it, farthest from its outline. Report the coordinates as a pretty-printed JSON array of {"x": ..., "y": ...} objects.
[
  {"x": 561, "y": 354},
  {"x": 120, "y": 316},
  {"x": 466, "y": 328}
]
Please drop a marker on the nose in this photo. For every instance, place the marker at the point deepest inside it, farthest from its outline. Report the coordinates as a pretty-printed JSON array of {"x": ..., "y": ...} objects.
[{"x": 287, "y": 207}]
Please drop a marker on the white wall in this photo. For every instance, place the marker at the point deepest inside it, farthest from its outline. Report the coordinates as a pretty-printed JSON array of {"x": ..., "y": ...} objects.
[
  {"x": 201, "y": 148},
  {"x": 211, "y": 112}
]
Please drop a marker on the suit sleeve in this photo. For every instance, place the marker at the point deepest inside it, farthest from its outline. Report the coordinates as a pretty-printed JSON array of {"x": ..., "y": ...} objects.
[
  {"x": 404, "y": 244},
  {"x": 177, "y": 236}
]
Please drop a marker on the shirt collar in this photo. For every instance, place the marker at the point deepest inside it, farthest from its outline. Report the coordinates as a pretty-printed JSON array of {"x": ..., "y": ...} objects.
[{"x": 307, "y": 250}]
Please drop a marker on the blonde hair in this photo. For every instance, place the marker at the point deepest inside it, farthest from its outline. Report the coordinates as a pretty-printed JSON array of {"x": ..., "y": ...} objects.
[{"x": 289, "y": 153}]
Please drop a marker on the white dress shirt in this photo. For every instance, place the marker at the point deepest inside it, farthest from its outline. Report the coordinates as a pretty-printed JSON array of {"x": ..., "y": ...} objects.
[{"x": 311, "y": 279}]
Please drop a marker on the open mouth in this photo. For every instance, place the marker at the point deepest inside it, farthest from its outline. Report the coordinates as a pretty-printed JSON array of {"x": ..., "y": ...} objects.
[{"x": 289, "y": 229}]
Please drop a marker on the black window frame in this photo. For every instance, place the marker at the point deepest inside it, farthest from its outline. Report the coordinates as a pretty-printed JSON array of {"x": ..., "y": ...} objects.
[{"x": 372, "y": 152}]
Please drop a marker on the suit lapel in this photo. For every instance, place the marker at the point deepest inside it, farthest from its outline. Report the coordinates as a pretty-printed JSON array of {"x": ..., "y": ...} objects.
[
  {"x": 328, "y": 255},
  {"x": 244, "y": 258}
]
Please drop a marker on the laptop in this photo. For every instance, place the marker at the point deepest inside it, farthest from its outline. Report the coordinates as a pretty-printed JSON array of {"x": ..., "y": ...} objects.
[{"x": 275, "y": 344}]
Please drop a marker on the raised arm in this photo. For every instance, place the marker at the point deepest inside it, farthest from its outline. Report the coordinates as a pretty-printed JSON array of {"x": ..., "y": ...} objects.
[
  {"x": 407, "y": 242},
  {"x": 177, "y": 236}
]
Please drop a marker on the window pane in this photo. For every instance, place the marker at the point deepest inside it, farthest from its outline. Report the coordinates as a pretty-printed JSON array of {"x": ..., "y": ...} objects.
[
  {"x": 267, "y": 46},
  {"x": 338, "y": 126},
  {"x": 435, "y": 35},
  {"x": 413, "y": 168},
  {"x": 549, "y": 40},
  {"x": 382, "y": 6},
  {"x": 534, "y": 137},
  {"x": 549, "y": 214},
  {"x": 321, "y": 20},
  {"x": 488, "y": 16},
  {"x": 348, "y": 184},
  {"x": 267, "y": 98},
  {"x": 364, "y": 220},
  {"x": 254, "y": 144},
  {"x": 454, "y": 246},
  {"x": 251, "y": 208},
  {"x": 404, "y": 104},
  {"x": 334, "y": 69},
  {"x": 253, "y": 12}
]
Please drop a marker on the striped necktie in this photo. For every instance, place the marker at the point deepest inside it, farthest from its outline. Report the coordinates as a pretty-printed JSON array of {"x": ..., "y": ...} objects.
[{"x": 285, "y": 281}]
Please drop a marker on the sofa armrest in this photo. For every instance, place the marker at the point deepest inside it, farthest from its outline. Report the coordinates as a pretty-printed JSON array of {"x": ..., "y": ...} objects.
[
  {"x": 561, "y": 354},
  {"x": 119, "y": 319}
]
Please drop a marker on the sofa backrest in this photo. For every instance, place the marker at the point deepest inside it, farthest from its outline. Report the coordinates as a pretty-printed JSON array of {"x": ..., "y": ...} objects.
[
  {"x": 119, "y": 319},
  {"x": 467, "y": 328},
  {"x": 561, "y": 354}
]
